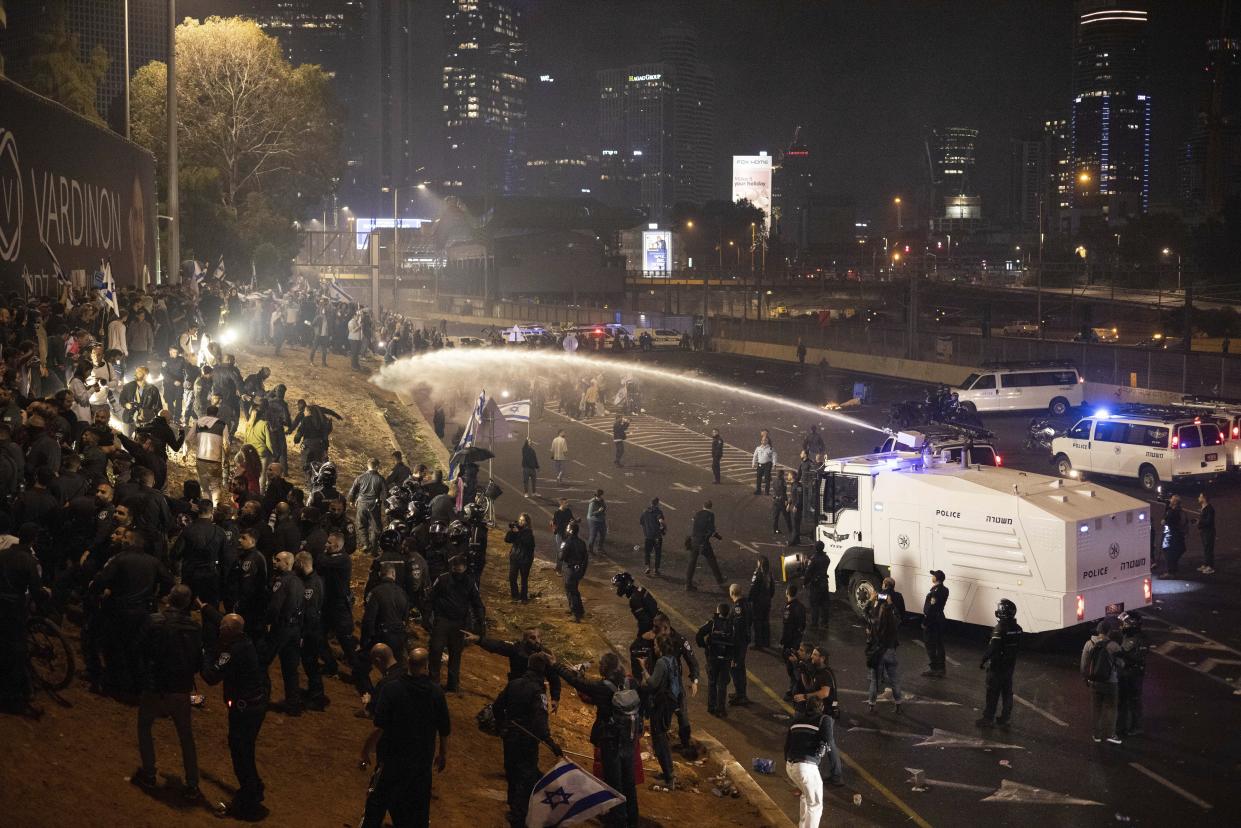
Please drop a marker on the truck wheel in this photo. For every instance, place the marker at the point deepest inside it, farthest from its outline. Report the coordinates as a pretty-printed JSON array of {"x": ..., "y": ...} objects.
[
  {"x": 1059, "y": 407},
  {"x": 1148, "y": 477},
  {"x": 863, "y": 587},
  {"x": 1064, "y": 468}
]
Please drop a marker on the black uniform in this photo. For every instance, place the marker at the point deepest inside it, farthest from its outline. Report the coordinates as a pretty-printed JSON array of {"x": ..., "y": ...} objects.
[
  {"x": 933, "y": 622},
  {"x": 312, "y": 636},
  {"x": 476, "y": 549},
  {"x": 762, "y": 590},
  {"x": 742, "y": 621},
  {"x": 717, "y": 455},
  {"x": 284, "y": 635},
  {"x": 1000, "y": 660},
  {"x": 383, "y": 622},
  {"x": 1131, "y": 676},
  {"x": 200, "y": 549},
  {"x": 701, "y": 532},
  {"x": 518, "y": 659},
  {"x": 790, "y": 638},
  {"x": 335, "y": 569},
  {"x": 817, "y": 589},
  {"x": 19, "y": 577},
  {"x": 248, "y": 591},
  {"x": 572, "y": 562},
  {"x": 135, "y": 581},
  {"x": 410, "y": 710},
  {"x": 237, "y": 665},
  {"x": 521, "y": 713},
  {"x": 653, "y": 530},
  {"x": 685, "y": 658},
  {"x": 644, "y": 608},
  {"x": 717, "y": 638},
  {"x": 452, "y": 598}
]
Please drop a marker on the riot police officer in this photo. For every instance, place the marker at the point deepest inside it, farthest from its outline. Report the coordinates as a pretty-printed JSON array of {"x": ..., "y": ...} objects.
[
  {"x": 716, "y": 637},
  {"x": 642, "y": 604},
  {"x": 999, "y": 661},
  {"x": 933, "y": 623},
  {"x": 476, "y": 541},
  {"x": 248, "y": 584},
  {"x": 284, "y": 632},
  {"x": 816, "y": 584},
  {"x": 383, "y": 622},
  {"x": 1133, "y": 648}
]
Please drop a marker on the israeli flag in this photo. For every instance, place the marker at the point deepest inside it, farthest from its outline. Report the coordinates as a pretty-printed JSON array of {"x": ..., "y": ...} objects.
[
  {"x": 60, "y": 274},
  {"x": 339, "y": 293},
  {"x": 518, "y": 412},
  {"x": 218, "y": 273},
  {"x": 568, "y": 795},
  {"x": 108, "y": 291},
  {"x": 471, "y": 431}
]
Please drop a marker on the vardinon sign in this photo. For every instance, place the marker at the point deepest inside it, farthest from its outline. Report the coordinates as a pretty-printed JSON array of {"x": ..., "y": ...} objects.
[{"x": 73, "y": 187}]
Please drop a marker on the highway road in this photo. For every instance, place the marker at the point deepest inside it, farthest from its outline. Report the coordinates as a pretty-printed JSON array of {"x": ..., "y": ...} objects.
[{"x": 1045, "y": 767}]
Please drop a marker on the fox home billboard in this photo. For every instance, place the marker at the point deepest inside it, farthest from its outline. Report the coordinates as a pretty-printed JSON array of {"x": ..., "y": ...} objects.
[
  {"x": 73, "y": 187},
  {"x": 752, "y": 181}
]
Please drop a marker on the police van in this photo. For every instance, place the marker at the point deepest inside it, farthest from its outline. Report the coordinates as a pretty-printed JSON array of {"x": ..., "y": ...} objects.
[
  {"x": 947, "y": 442},
  {"x": 1227, "y": 415},
  {"x": 1052, "y": 385},
  {"x": 1150, "y": 444},
  {"x": 1066, "y": 551}
]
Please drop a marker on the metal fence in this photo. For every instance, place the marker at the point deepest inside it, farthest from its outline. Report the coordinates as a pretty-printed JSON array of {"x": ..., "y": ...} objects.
[{"x": 1192, "y": 373}]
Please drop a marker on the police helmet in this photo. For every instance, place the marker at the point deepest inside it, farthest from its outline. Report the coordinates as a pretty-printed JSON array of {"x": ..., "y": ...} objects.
[
  {"x": 395, "y": 503},
  {"x": 438, "y": 530},
  {"x": 1130, "y": 620},
  {"x": 1005, "y": 610},
  {"x": 390, "y": 540},
  {"x": 325, "y": 477},
  {"x": 457, "y": 532},
  {"x": 623, "y": 582},
  {"x": 471, "y": 512}
]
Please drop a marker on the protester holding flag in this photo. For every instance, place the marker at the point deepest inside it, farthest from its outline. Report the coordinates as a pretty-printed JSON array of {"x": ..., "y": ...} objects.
[{"x": 618, "y": 723}]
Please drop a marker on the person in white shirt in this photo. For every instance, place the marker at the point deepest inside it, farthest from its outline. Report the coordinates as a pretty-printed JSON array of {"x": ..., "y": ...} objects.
[
  {"x": 559, "y": 453},
  {"x": 763, "y": 461},
  {"x": 116, "y": 334}
]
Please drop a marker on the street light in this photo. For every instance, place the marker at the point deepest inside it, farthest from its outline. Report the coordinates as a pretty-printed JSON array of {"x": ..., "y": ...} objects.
[
  {"x": 899, "y": 224},
  {"x": 1083, "y": 177},
  {"x": 1167, "y": 251},
  {"x": 396, "y": 256}
]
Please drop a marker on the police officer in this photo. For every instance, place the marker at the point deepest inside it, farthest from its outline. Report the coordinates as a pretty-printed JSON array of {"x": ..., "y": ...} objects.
[
  {"x": 337, "y": 520},
  {"x": 284, "y": 632},
  {"x": 1133, "y": 649},
  {"x": 476, "y": 541},
  {"x": 521, "y": 713},
  {"x": 702, "y": 531},
  {"x": 791, "y": 634},
  {"x": 740, "y": 614},
  {"x": 312, "y": 629},
  {"x": 999, "y": 661},
  {"x": 817, "y": 587},
  {"x": 571, "y": 564},
  {"x": 653, "y": 530},
  {"x": 19, "y": 579},
  {"x": 248, "y": 584},
  {"x": 383, "y": 622},
  {"x": 716, "y": 637},
  {"x": 453, "y": 596},
  {"x": 392, "y": 553},
  {"x": 642, "y": 604},
  {"x": 717, "y": 454},
  {"x": 933, "y": 623},
  {"x": 687, "y": 661},
  {"x": 335, "y": 568},
  {"x": 518, "y": 654},
  {"x": 129, "y": 585},
  {"x": 235, "y": 662},
  {"x": 200, "y": 548}
]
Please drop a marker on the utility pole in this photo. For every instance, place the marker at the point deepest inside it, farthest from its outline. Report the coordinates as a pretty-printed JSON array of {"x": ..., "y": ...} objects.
[
  {"x": 127, "y": 70},
  {"x": 1042, "y": 234},
  {"x": 174, "y": 199}
]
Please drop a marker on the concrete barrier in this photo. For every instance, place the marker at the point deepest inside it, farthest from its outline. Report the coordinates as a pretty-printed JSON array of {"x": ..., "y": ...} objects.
[{"x": 848, "y": 361}]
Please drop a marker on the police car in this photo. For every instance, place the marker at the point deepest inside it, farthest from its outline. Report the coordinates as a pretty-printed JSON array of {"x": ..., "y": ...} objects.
[
  {"x": 947, "y": 442},
  {"x": 1051, "y": 385},
  {"x": 1227, "y": 415},
  {"x": 1150, "y": 444}
]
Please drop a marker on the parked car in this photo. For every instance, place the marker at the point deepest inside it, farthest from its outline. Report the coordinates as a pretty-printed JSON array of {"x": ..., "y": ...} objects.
[{"x": 1020, "y": 329}]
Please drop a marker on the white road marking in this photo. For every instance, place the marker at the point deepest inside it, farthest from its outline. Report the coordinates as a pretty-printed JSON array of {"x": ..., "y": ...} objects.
[
  {"x": 746, "y": 547},
  {"x": 632, "y": 489},
  {"x": 580, "y": 463},
  {"x": 946, "y": 738},
  {"x": 666, "y": 504},
  {"x": 1172, "y": 786},
  {"x": 605, "y": 474},
  {"x": 909, "y": 698},
  {"x": 1049, "y": 717},
  {"x": 1020, "y": 794},
  {"x": 684, "y": 488},
  {"x": 1174, "y": 649}
]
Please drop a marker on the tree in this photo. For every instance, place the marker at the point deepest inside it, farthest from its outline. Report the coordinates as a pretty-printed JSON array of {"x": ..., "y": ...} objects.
[
  {"x": 4, "y": 24},
  {"x": 258, "y": 138},
  {"x": 58, "y": 72}
]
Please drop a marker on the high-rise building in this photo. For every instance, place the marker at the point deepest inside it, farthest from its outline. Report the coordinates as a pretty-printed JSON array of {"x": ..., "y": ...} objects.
[
  {"x": 794, "y": 187},
  {"x": 1209, "y": 166},
  {"x": 95, "y": 24},
  {"x": 636, "y": 110},
  {"x": 657, "y": 129},
  {"x": 1058, "y": 186},
  {"x": 693, "y": 116},
  {"x": 955, "y": 203},
  {"x": 484, "y": 98},
  {"x": 559, "y": 159},
  {"x": 1027, "y": 181},
  {"x": 1111, "y": 114}
]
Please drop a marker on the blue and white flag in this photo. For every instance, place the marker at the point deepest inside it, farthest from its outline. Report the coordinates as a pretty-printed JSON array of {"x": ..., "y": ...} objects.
[
  {"x": 60, "y": 274},
  {"x": 471, "y": 432},
  {"x": 218, "y": 273},
  {"x": 339, "y": 293},
  {"x": 108, "y": 291},
  {"x": 568, "y": 795},
  {"x": 517, "y": 412}
]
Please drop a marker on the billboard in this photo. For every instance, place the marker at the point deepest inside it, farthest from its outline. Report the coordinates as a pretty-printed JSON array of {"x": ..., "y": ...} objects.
[
  {"x": 72, "y": 187},
  {"x": 657, "y": 250},
  {"x": 752, "y": 181}
]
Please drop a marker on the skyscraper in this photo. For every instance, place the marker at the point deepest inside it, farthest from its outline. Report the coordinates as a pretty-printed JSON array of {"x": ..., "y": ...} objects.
[
  {"x": 794, "y": 186},
  {"x": 484, "y": 98},
  {"x": 693, "y": 116},
  {"x": 560, "y": 160},
  {"x": 1027, "y": 180},
  {"x": 1111, "y": 114},
  {"x": 636, "y": 111},
  {"x": 955, "y": 205},
  {"x": 95, "y": 24},
  {"x": 1058, "y": 186},
  {"x": 657, "y": 128},
  {"x": 1209, "y": 166}
]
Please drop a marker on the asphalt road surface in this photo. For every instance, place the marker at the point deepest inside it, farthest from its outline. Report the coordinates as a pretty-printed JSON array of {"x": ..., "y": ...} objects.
[{"x": 1042, "y": 769}]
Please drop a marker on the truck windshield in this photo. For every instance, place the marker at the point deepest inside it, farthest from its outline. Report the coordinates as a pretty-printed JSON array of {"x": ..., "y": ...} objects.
[
  {"x": 969, "y": 382},
  {"x": 839, "y": 494}
]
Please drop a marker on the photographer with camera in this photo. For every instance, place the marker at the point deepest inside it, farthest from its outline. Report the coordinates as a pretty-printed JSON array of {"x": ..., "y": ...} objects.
[{"x": 520, "y": 557}]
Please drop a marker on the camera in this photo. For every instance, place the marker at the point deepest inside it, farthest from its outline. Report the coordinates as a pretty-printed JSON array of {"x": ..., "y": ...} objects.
[{"x": 881, "y": 596}]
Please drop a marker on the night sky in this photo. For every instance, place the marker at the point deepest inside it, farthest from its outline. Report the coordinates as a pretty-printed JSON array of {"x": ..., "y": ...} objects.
[{"x": 864, "y": 78}]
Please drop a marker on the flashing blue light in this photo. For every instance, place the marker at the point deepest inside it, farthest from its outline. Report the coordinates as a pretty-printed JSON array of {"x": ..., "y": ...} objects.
[
  {"x": 1102, "y": 414},
  {"x": 1083, "y": 528}
]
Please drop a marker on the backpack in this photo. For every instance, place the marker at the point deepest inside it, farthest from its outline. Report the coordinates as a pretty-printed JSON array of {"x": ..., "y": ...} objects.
[
  {"x": 720, "y": 643},
  {"x": 1098, "y": 666},
  {"x": 670, "y": 693},
  {"x": 626, "y": 715}
]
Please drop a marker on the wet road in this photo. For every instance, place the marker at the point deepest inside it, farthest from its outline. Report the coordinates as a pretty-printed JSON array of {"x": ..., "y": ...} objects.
[{"x": 1044, "y": 767}]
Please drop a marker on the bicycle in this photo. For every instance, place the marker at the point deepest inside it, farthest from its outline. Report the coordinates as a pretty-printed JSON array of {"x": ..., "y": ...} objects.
[{"x": 48, "y": 654}]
